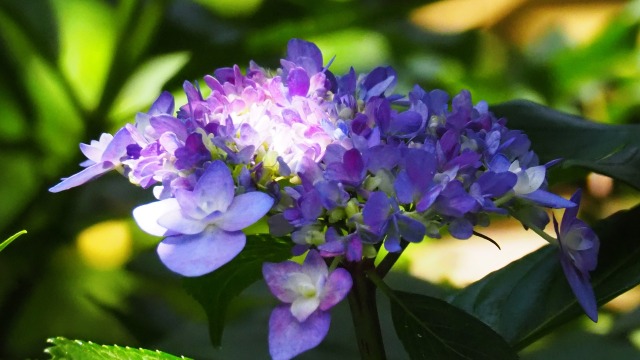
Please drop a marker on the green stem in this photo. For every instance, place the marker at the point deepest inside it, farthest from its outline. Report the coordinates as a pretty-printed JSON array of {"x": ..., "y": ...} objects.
[
  {"x": 537, "y": 230},
  {"x": 364, "y": 312},
  {"x": 390, "y": 259}
]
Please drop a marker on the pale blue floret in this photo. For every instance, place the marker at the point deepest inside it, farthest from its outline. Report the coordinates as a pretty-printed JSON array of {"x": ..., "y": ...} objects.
[{"x": 203, "y": 226}]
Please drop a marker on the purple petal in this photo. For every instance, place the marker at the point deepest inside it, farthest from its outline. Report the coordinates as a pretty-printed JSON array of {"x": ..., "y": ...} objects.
[
  {"x": 404, "y": 188},
  {"x": 168, "y": 123},
  {"x": 305, "y": 54},
  {"x": 499, "y": 163},
  {"x": 288, "y": 337},
  {"x": 461, "y": 228},
  {"x": 410, "y": 229},
  {"x": 376, "y": 210},
  {"x": 83, "y": 176},
  {"x": 429, "y": 198},
  {"x": 314, "y": 266},
  {"x": 335, "y": 289},
  {"x": 163, "y": 105},
  {"x": 496, "y": 184},
  {"x": 298, "y": 82},
  {"x": 571, "y": 212},
  {"x": 195, "y": 255},
  {"x": 579, "y": 283},
  {"x": 147, "y": 216},
  {"x": 276, "y": 275},
  {"x": 214, "y": 190},
  {"x": 245, "y": 210},
  {"x": 353, "y": 165},
  {"x": 547, "y": 199},
  {"x": 406, "y": 124},
  {"x": 354, "y": 248}
]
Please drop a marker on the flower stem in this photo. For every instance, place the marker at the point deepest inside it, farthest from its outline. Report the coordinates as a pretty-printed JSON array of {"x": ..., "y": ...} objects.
[
  {"x": 364, "y": 312},
  {"x": 390, "y": 259},
  {"x": 550, "y": 239}
]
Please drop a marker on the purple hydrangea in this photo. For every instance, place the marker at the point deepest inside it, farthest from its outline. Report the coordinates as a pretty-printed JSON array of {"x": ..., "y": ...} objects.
[{"x": 341, "y": 165}]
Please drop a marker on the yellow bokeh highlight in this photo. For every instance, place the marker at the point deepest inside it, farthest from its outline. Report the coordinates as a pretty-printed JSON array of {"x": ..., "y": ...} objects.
[{"x": 106, "y": 245}]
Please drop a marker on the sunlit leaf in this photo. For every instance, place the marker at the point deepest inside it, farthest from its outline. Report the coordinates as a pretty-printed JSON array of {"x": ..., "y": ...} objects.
[
  {"x": 59, "y": 123},
  {"x": 87, "y": 44},
  {"x": 142, "y": 88},
  {"x": 6, "y": 243},
  {"x": 361, "y": 48},
  {"x": 530, "y": 297},
  {"x": 612, "y": 150},
  {"x": 54, "y": 110},
  {"x": 64, "y": 349},
  {"x": 431, "y": 328},
  {"x": 231, "y": 8},
  {"x": 216, "y": 290}
]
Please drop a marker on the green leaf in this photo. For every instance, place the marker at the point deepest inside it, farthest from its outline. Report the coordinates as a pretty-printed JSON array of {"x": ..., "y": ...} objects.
[
  {"x": 64, "y": 349},
  {"x": 215, "y": 291},
  {"x": 612, "y": 150},
  {"x": 431, "y": 328},
  {"x": 6, "y": 243},
  {"x": 530, "y": 297},
  {"x": 142, "y": 88},
  {"x": 87, "y": 43}
]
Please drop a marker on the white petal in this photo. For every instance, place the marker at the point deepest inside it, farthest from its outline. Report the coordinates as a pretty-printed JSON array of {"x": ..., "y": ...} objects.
[
  {"x": 147, "y": 215},
  {"x": 180, "y": 224},
  {"x": 302, "y": 307}
]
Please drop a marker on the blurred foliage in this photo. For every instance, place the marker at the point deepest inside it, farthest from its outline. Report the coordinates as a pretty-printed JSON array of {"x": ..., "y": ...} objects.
[{"x": 73, "y": 69}]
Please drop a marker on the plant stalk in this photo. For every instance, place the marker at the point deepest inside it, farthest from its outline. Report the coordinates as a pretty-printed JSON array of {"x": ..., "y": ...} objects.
[{"x": 364, "y": 312}]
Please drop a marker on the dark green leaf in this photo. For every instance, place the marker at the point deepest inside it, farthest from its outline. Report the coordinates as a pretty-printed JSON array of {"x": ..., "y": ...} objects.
[
  {"x": 612, "y": 150},
  {"x": 430, "y": 328},
  {"x": 528, "y": 298},
  {"x": 65, "y": 349},
  {"x": 6, "y": 243},
  {"x": 216, "y": 290},
  {"x": 584, "y": 345}
]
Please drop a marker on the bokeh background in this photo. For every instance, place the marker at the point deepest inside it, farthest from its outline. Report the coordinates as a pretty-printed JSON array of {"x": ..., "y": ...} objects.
[{"x": 72, "y": 69}]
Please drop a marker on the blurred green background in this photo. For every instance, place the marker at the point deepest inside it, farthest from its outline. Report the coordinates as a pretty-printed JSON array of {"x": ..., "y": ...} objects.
[{"x": 72, "y": 69}]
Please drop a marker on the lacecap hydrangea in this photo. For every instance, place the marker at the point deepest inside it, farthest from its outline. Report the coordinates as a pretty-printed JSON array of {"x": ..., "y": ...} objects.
[{"x": 341, "y": 165}]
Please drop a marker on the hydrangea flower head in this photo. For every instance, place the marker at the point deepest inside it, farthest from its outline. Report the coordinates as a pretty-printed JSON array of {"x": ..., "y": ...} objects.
[{"x": 341, "y": 165}]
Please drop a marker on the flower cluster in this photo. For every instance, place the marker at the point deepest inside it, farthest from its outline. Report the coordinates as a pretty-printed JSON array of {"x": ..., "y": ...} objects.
[{"x": 342, "y": 164}]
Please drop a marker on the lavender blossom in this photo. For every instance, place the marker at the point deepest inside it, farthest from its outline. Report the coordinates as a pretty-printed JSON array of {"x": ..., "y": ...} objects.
[
  {"x": 203, "y": 226},
  {"x": 308, "y": 291},
  {"x": 579, "y": 247},
  {"x": 103, "y": 156}
]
